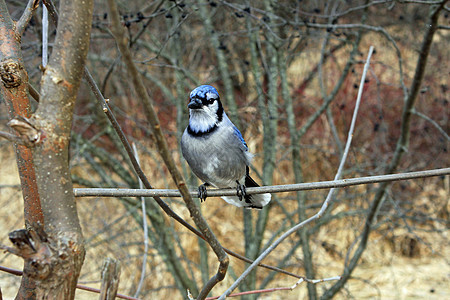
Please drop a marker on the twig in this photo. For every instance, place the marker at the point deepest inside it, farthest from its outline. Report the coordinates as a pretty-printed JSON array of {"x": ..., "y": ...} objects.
[
  {"x": 378, "y": 29},
  {"x": 22, "y": 23},
  {"x": 327, "y": 200},
  {"x": 429, "y": 2},
  {"x": 341, "y": 183},
  {"x": 145, "y": 26},
  {"x": 11, "y": 271},
  {"x": 350, "y": 133},
  {"x": 33, "y": 92},
  {"x": 145, "y": 226},
  {"x": 345, "y": 12},
  {"x": 12, "y": 138},
  {"x": 271, "y": 290},
  {"x": 327, "y": 101},
  {"x": 433, "y": 122},
  {"x": 323, "y": 88}
]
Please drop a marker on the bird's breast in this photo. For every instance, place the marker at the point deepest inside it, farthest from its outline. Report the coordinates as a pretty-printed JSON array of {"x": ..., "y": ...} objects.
[{"x": 216, "y": 159}]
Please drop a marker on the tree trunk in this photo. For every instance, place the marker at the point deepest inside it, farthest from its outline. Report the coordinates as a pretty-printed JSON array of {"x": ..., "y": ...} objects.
[{"x": 53, "y": 250}]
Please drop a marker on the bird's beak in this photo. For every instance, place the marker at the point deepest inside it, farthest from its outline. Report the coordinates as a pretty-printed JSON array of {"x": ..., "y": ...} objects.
[{"x": 195, "y": 103}]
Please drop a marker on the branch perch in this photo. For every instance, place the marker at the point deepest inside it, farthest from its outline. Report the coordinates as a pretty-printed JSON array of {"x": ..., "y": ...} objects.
[{"x": 341, "y": 183}]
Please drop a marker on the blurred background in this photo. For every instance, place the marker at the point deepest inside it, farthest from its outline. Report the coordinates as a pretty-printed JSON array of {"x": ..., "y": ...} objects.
[{"x": 288, "y": 73}]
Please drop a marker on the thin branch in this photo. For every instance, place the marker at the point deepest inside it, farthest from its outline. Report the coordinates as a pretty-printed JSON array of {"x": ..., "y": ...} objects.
[
  {"x": 14, "y": 92},
  {"x": 119, "y": 34},
  {"x": 327, "y": 101},
  {"x": 327, "y": 200},
  {"x": 350, "y": 133},
  {"x": 377, "y": 29},
  {"x": 22, "y": 23},
  {"x": 146, "y": 25},
  {"x": 433, "y": 122},
  {"x": 343, "y": 13},
  {"x": 33, "y": 92},
  {"x": 271, "y": 290},
  {"x": 341, "y": 183},
  {"x": 12, "y": 138},
  {"x": 145, "y": 227},
  {"x": 429, "y": 2}
]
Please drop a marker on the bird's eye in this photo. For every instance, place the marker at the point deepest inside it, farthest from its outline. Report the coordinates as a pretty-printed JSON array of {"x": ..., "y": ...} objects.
[{"x": 211, "y": 97}]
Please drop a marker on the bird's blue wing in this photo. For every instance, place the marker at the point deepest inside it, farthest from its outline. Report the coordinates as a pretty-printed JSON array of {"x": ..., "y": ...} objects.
[{"x": 239, "y": 135}]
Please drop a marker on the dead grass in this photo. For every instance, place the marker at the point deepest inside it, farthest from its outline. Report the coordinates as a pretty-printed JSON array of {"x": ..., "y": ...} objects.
[{"x": 384, "y": 272}]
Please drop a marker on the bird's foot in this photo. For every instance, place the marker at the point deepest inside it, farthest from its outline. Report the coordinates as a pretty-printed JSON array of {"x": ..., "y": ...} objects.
[
  {"x": 202, "y": 193},
  {"x": 240, "y": 190}
]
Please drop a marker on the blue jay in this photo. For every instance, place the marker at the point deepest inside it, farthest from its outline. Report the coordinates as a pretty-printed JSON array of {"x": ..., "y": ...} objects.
[{"x": 216, "y": 151}]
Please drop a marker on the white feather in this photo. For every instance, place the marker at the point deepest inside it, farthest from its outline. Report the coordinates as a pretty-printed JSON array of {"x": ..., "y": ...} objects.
[{"x": 205, "y": 118}]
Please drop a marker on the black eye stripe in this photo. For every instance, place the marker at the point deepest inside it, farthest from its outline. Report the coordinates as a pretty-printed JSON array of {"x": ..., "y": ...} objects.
[
  {"x": 206, "y": 101},
  {"x": 209, "y": 101}
]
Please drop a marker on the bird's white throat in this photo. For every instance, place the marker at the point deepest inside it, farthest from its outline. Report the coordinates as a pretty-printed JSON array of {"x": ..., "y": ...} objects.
[{"x": 202, "y": 120}]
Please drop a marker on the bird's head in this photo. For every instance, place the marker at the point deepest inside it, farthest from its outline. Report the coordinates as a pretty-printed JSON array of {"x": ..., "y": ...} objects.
[
  {"x": 204, "y": 97},
  {"x": 205, "y": 108}
]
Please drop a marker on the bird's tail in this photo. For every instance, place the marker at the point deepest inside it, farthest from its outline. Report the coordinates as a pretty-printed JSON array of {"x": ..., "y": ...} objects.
[{"x": 249, "y": 201}]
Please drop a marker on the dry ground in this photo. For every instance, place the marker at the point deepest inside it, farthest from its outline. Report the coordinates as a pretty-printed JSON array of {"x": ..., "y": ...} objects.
[{"x": 383, "y": 273}]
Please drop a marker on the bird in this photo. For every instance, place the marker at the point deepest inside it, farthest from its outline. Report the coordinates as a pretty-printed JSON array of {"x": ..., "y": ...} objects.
[{"x": 216, "y": 151}]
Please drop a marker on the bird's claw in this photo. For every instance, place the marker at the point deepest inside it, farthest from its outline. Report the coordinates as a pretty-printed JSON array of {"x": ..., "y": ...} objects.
[
  {"x": 240, "y": 190},
  {"x": 202, "y": 193}
]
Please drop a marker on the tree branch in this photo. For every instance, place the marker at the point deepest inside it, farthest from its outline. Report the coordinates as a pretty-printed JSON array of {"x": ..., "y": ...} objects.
[
  {"x": 433, "y": 122},
  {"x": 161, "y": 142},
  {"x": 12, "y": 138},
  {"x": 272, "y": 290},
  {"x": 402, "y": 145},
  {"x": 22, "y": 23},
  {"x": 341, "y": 183},
  {"x": 325, "y": 203}
]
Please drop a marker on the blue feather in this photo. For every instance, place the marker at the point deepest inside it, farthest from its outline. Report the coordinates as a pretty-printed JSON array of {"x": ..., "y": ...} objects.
[
  {"x": 239, "y": 135},
  {"x": 201, "y": 91}
]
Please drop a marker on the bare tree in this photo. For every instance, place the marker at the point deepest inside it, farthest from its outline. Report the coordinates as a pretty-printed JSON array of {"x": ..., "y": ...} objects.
[{"x": 54, "y": 249}]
